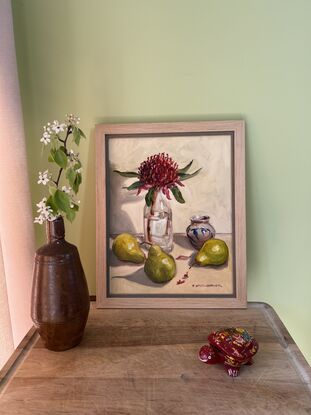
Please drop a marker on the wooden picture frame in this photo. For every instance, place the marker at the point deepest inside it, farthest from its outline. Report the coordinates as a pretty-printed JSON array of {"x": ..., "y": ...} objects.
[{"x": 232, "y": 132}]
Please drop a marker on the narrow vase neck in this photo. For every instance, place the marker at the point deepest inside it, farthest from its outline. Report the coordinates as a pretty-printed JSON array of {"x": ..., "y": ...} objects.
[{"x": 55, "y": 230}]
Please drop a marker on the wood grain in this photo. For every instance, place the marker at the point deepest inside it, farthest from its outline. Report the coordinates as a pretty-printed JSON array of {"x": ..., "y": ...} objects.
[
  {"x": 103, "y": 132},
  {"x": 145, "y": 362}
]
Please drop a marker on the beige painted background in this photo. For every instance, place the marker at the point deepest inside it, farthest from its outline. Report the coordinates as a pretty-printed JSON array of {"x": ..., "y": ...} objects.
[{"x": 208, "y": 193}]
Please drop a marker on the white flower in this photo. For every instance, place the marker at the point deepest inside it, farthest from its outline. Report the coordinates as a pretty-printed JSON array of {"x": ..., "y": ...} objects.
[
  {"x": 46, "y": 138},
  {"x": 45, "y": 212},
  {"x": 72, "y": 156},
  {"x": 79, "y": 170},
  {"x": 74, "y": 203},
  {"x": 39, "y": 219},
  {"x": 57, "y": 127},
  {"x": 44, "y": 177},
  {"x": 66, "y": 189},
  {"x": 72, "y": 120},
  {"x": 51, "y": 217},
  {"x": 41, "y": 204},
  {"x": 43, "y": 208}
]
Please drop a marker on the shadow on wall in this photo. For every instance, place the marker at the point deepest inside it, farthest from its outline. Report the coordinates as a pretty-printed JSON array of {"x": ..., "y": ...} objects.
[
  {"x": 117, "y": 212},
  {"x": 87, "y": 240}
]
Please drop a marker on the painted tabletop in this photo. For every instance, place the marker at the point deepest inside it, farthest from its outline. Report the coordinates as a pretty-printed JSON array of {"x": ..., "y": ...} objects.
[{"x": 129, "y": 278}]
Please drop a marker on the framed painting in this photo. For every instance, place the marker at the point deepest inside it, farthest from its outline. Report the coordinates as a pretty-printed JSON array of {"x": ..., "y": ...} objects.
[{"x": 170, "y": 215}]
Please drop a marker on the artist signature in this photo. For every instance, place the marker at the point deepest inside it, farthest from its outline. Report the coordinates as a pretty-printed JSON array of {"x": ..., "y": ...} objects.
[{"x": 206, "y": 285}]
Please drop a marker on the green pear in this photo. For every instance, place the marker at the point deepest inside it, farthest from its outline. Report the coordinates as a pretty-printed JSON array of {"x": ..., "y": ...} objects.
[
  {"x": 213, "y": 252},
  {"x": 126, "y": 248},
  {"x": 159, "y": 266}
]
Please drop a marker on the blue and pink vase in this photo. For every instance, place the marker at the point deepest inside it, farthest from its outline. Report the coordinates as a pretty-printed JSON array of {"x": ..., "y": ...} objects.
[{"x": 200, "y": 230}]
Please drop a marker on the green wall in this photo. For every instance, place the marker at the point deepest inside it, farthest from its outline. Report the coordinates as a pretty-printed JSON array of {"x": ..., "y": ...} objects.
[{"x": 172, "y": 60}]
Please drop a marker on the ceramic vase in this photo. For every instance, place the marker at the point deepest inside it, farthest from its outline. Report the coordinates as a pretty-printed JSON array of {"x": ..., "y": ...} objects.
[
  {"x": 200, "y": 230},
  {"x": 60, "y": 296}
]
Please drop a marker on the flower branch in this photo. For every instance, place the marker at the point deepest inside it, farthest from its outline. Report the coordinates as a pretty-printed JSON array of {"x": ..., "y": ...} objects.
[{"x": 61, "y": 199}]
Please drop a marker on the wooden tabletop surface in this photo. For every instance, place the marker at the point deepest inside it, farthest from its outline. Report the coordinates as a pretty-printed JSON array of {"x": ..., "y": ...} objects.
[{"x": 145, "y": 362}]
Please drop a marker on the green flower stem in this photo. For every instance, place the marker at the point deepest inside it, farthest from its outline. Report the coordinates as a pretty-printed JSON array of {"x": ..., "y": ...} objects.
[
  {"x": 153, "y": 201},
  {"x": 69, "y": 130}
]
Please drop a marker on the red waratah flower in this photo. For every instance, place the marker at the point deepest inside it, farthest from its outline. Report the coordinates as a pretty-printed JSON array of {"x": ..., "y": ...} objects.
[{"x": 159, "y": 172}]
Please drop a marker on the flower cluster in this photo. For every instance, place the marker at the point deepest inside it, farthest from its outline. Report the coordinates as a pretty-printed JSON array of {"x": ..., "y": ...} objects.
[
  {"x": 72, "y": 120},
  {"x": 45, "y": 212},
  {"x": 159, "y": 172},
  {"x": 51, "y": 130},
  {"x": 46, "y": 136},
  {"x": 61, "y": 198}
]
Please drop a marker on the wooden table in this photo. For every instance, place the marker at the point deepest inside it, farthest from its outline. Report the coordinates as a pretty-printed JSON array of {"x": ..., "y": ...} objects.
[{"x": 145, "y": 362}]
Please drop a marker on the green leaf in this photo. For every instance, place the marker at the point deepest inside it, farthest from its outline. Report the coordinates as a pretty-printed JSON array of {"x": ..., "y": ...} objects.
[
  {"x": 62, "y": 201},
  {"x": 71, "y": 176},
  {"x": 177, "y": 194},
  {"x": 126, "y": 173},
  {"x": 77, "y": 165},
  {"x": 51, "y": 157},
  {"x": 77, "y": 182},
  {"x": 50, "y": 202},
  {"x": 133, "y": 186},
  {"x": 52, "y": 190},
  {"x": 149, "y": 196},
  {"x": 185, "y": 176},
  {"x": 63, "y": 148},
  {"x": 81, "y": 133},
  {"x": 186, "y": 168},
  {"x": 76, "y": 135},
  {"x": 60, "y": 158},
  {"x": 70, "y": 214}
]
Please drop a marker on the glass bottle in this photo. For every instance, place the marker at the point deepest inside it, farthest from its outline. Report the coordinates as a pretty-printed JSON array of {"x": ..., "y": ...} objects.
[{"x": 158, "y": 222}]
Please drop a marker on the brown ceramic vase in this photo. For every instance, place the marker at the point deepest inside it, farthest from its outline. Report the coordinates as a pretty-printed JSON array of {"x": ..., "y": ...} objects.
[{"x": 60, "y": 296}]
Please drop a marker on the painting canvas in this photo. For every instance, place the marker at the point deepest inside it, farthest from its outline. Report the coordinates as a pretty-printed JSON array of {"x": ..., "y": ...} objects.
[{"x": 168, "y": 201}]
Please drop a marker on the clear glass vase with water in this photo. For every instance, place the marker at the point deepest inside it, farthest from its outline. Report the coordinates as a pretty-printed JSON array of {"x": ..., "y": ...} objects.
[{"x": 158, "y": 222}]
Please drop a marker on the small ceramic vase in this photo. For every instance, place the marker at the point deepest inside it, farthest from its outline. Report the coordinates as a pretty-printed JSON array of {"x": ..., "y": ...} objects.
[{"x": 200, "y": 230}]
